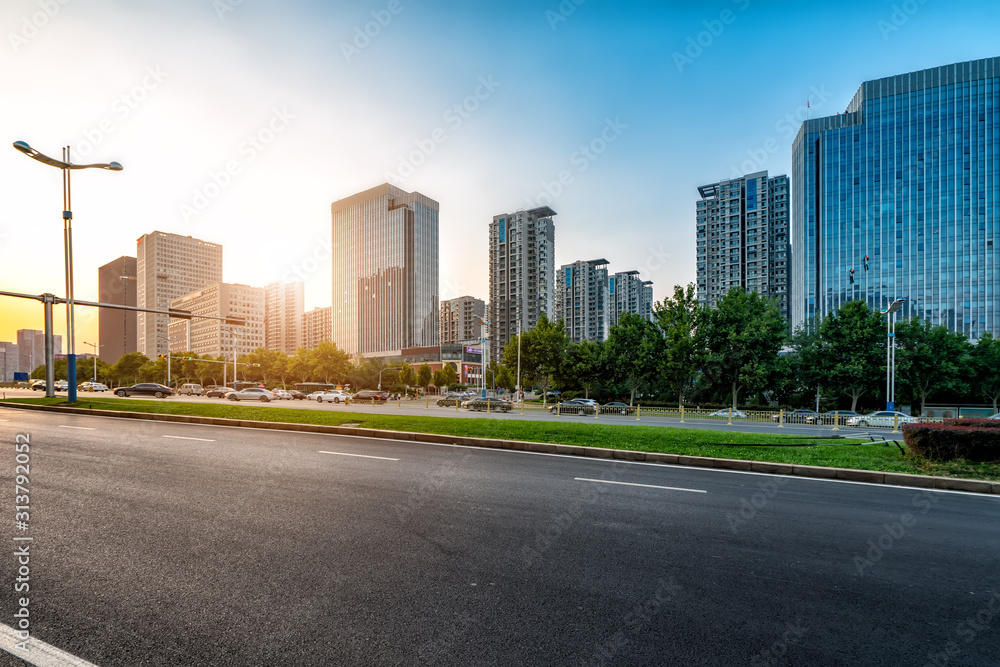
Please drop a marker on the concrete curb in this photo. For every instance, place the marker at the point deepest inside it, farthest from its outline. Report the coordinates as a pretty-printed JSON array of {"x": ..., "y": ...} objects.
[{"x": 819, "y": 472}]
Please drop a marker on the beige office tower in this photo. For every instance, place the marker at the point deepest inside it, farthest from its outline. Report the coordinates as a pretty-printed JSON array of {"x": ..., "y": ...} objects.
[
  {"x": 215, "y": 337},
  {"x": 284, "y": 305},
  {"x": 316, "y": 327},
  {"x": 458, "y": 324},
  {"x": 169, "y": 266},
  {"x": 385, "y": 271}
]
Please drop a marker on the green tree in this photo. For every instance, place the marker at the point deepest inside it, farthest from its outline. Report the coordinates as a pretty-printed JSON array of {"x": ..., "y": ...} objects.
[
  {"x": 330, "y": 362},
  {"x": 985, "y": 360},
  {"x": 678, "y": 320},
  {"x": 543, "y": 351},
  {"x": 632, "y": 352},
  {"x": 505, "y": 379},
  {"x": 300, "y": 366},
  {"x": 931, "y": 358},
  {"x": 449, "y": 374},
  {"x": 742, "y": 336},
  {"x": 584, "y": 365},
  {"x": 848, "y": 357},
  {"x": 439, "y": 378},
  {"x": 406, "y": 374},
  {"x": 424, "y": 376},
  {"x": 126, "y": 370}
]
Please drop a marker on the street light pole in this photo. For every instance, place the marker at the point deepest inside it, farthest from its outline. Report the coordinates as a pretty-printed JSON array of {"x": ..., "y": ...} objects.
[
  {"x": 890, "y": 353},
  {"x": 169, "y": 341},
  {"x": 520, "y": 394},
  {"x": 95, "y": 346},
  {"x": 65, "y": 165}
]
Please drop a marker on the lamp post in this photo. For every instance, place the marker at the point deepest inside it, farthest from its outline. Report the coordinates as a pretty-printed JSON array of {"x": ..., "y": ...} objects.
[
  {"x": 520, "y": 394},
  {"x": 890, "y": 353},
  {"x": 486, "y": 348},
  {"x": 95, "y": 346},
  {"x": 65, "y": 165}
]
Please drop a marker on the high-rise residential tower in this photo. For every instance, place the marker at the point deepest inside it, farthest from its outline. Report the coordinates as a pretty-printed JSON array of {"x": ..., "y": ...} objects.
[
  {"x": 742, "y": 238},
  {"x": 169, "y": 266},
  {"x": 457, "y": 322},
  {"x": 117, "y": 328},
  {"x": 385, "y": 271},
  {"x": 284, "y": 305},
  {"x": 583, "y": 300},
  {"x": 316, "y": 326},
  {"x": 522, "y": 273},
  {"x": 899, "y": 197},
  {"x": 630, "y": 294},
  {"x": 215, "y": 337}
]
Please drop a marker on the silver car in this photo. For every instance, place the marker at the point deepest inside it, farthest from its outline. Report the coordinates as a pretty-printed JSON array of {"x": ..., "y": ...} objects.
[
  {"x": 251, "y": 394},
  {"x": 332, "y": 396},
  {"x": 882, "y": 418}
]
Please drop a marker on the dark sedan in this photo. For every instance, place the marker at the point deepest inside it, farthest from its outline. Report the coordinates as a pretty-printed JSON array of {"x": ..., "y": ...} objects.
[
  {"x": 297, "y": 395},
  {"x": 370, "y": 396},
  {"x": 145, "y": 389},
  {"x": 838, "y": 417},
  {"x": 617, "y": 409},
  {"x": 490, "y": 404},
  {"x": 218, "y": 392}
]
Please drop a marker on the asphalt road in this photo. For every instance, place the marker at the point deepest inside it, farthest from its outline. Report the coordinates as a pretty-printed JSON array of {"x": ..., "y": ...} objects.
[
  {"x": 175, "y": 544},
  {"x": 429, "y": 408}
]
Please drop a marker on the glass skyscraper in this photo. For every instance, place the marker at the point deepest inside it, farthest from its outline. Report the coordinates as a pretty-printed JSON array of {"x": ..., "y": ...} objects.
[{"x": 903, "y": 188}]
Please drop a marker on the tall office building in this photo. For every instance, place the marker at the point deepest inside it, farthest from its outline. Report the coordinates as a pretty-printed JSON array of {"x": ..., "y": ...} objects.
[
  {"x": 742, "y": 238},
  {"x": 169, "y": 266},
  {"x": 284, "y": 305},
  {"x": 522, "y": 273},
  {"x": 214, "y": 337},
  {"x": 909, "y": 178},
  {"x": 385, "y": 271},
  {"x": 457, "y": 322},
  {"x": 117, "y": 328},
  {"x": 317, "y": 325},
  {"x": 583, "y": 300},
  {"x": 10, "y": 362},
  {"x": 31, "y": 349},
  {"x": 630, "y": 294}
]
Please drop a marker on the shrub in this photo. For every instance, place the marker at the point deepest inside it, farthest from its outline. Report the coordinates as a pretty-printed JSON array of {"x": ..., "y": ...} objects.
[
  {"x": 969, "y": 421},
  {"x": 945, "y": 442}
]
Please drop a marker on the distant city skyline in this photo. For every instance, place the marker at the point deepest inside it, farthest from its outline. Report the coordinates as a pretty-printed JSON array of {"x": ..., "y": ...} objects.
[{"x": 243, "y": 132}]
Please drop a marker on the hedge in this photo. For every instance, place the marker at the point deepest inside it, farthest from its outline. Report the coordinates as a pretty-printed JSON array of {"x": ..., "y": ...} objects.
[{"x": 968, "y": 439}]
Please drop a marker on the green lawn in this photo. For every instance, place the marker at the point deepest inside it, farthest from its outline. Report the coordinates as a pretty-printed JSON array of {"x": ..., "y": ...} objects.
[{"x": 695, "y": 442}]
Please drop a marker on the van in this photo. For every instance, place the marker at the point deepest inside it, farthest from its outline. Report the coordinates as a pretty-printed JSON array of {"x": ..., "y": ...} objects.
[{"x": 190, "y": 390}]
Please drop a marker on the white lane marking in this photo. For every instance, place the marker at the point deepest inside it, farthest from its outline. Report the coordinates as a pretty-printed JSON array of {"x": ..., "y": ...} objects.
[
  {"x": 182, "y": 437},
  {"x": 39, "y": 653},
  {"x": 81, "y": 428},
  {"x": 648, "y": 486},
  {"x": 4, "y": 420},
  {"x": 362, "y": 456}
]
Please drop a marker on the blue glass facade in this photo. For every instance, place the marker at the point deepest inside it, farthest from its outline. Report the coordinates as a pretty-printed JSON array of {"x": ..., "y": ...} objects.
[{"x": 909, "y": 177}]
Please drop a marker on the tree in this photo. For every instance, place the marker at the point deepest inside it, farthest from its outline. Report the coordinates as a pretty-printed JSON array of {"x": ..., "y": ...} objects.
[
  {"x": 849, "y": 352},
  {"x": 678, "y": 320},
  {"x": 424, "y": 376},
  {"x": 439, "y": 378},
  {"x": 406, "y": 374},
  {"x": 300, "y": 366},
  {"x": 505, "y": 379},
  {"x": 543, "y": 351},
  {"x": 931, "y": 358},
  {"x": 126, "y": 370},
  {"x": 584, "y": 364},
  {"x": 742, "y": 336},
  {"x": 985, "y": 360},
  {"x": 330, "y": 362},
  {"x": 632, "y": 352},
  {"x": 449, "y": 374}
]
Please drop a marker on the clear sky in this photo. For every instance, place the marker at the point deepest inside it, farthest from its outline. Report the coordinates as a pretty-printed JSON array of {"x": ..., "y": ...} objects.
[{"x": 240, "y": 121}]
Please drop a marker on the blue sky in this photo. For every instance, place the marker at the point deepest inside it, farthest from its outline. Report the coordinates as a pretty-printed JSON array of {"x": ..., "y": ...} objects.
[{"x": 241, "y": 121}]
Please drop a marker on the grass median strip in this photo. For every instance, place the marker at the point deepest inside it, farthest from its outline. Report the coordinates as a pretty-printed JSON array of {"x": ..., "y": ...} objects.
[{"x": 637, "y": 437}]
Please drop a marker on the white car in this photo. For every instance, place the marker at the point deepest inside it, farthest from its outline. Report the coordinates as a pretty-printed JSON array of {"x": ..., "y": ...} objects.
[
  {"x": 735, "y": 414},
  {"x": 331, "y": 396},
  {"x": 282, "y": 394},
  {"x": 882, "y": 418},
  {"x": 251, "y": 394},
  {"x": 996, "y": 416}
]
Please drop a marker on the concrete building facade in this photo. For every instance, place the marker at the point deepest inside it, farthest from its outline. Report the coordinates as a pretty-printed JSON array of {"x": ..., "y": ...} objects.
[
  {"x": 214, "y": 337},
  {"x": 457, "y": 322},
  {"x": 583, "y": 300},
  {"x": 284, "y": 306},
  {"x": 31, "y": 349},
  {"x": 116, "y": 329},
  {"x": 317, "y": 326},
  {"x": 630, "y": 294}
]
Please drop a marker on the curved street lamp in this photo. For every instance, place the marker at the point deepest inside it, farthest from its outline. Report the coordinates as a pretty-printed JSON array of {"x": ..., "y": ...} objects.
[
  {"x": 890, "y": 353},
  {"x": 65, "y": 165},
  {"x": 95, "y": 346}
]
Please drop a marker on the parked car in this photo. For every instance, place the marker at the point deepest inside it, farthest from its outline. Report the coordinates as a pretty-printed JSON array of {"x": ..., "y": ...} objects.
[
  {"x": 251, "y": 394},
  {"x": 297, "y": 395},
  {"x": 575, "y": 406},
  {"x": 490, "y": 404},
  {"x": 332, "y": 396},
  {"x": 281, "y": 394},
  {"x": 145, "y": 389},
  {"x": 616, "y": 408},
  {"x": 795, "y": 416},
  {"x": 37, "y": 384},
  {"x": 881, "y": 418},
  {"x": 371, "y": 395},
  {"x": 61, "y": 385},
  {"x": 996, "y": 416},
  {"x": 449, "y": 400},
  {"x": 735, "y": 414},
  {"x": 190, "y": 390},
  {"x": 218, "y": 392},
  {"x": 839, "y": 417}
]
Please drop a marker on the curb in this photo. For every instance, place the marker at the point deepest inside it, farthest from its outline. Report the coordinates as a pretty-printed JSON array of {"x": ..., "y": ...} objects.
[{"x": 790, "y": 469}]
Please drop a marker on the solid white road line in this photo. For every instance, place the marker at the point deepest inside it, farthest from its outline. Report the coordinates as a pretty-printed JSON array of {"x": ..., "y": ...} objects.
[
  {"x": 182, "y": 437},
  {"x": 39, "y": 653},
  {"x": 648, "y": 486},
  {"x": 362, "y": 456},
  {"x": 81, "y": 428}
]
